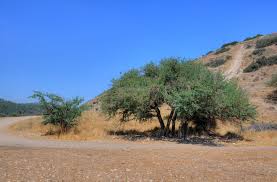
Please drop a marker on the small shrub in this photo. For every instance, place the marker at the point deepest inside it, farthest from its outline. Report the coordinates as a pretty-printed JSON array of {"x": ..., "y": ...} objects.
[
  {"x": 222, "y": 50},
  {"x": 229, "y": 44},
  {"x": 258, "y": 52},
  {"x": 218, "y": 61},
  {"x": 261, "y": 62},
  {"x": 272, "y": 97},
  {"x": 267, "y": 41},
  {"x": 248, "y": 46},
  {"x": 250, "y": 38},
  {"x": 59, "y": 112},
  {"x": 257, "y": 127},
  {"x": 273, "y": 81}
]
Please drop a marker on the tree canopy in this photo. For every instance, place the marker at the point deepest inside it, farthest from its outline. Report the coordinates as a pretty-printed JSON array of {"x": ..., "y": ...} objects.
[{"x": 193, "y": 93}]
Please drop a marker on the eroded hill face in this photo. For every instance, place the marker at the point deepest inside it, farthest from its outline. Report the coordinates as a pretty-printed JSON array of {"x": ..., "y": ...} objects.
[{"x": 252, "y": 63}]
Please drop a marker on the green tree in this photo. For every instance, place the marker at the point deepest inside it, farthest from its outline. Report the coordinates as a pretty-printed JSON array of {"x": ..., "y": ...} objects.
[
  {"x": 58, "y": 111},
  {"x": 193, "y": 93}
]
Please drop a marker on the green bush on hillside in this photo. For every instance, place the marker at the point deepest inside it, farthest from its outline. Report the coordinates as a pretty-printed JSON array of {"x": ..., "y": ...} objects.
[
  {"x": 251, "y": 38},
  {"x": 229, "y": 44},
  {"x": 218, "y": 61},
  {"x": 259, "y": 52},
  {"x": 192, "y": 92},
  {"x": 261, "y": 62},
  {"x": 60, "y": 112},
  {"x": 266, "y": 41}
]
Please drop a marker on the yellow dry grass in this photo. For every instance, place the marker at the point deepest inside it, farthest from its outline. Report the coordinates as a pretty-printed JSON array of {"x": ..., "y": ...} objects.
[
  {"x": 263, "y": 138},
  {"x": 92, "y": 126},
  {"x": 251, "y": 138},
  {"x": 96, "y": 126}
]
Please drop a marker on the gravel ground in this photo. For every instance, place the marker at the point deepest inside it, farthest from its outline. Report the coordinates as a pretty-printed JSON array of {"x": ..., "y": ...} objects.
[{"x": 36, "y": 160}]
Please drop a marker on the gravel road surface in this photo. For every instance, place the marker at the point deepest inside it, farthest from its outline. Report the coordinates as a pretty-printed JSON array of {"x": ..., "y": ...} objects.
[{"x": 24, "y": 159}]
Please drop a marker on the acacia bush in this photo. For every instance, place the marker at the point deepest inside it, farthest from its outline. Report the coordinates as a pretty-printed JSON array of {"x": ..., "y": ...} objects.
[
  {"x": 192, "y": 92},
  {"x": 266, "y": 41},
  {"x": 58, "y": 111},
  {"x": 261, "y": 62}
]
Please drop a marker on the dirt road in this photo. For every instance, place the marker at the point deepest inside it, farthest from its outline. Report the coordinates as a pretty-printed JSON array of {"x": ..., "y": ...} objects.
[{"x": 39, "y": 160}]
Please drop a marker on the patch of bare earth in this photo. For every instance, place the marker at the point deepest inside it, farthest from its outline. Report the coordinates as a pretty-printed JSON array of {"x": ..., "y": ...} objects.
[{"x": 179, "y": 164}]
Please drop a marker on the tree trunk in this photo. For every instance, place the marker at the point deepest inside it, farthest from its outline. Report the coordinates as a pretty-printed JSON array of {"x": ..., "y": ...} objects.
[
  {"x": 62, "y": 127},
  {"x": 168, "y": 122},
  {"x": 183, "y": 130},
  {"x": 160, "y": 120},
  {"x": 173, "y": 124}
]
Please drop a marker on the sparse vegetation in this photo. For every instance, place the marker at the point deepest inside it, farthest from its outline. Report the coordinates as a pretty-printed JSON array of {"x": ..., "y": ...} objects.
[
  {"x": 272, "y": 97},
  {"x": 258, "y": 127},
  {"x": 259, "y": 52},
  {"x": 261, "y": 62},
  {"x": 229, "y": 44},
  {"x": 254, "y": 37},
  {"x": 222, "y": 50},
  {"x": 273, "y": 81},
  {"x": 267, "y": 41},
  {"x": 59, "y": 112},
  {"x": 8, "y": 108},
  {"x": 193, "y": 93},
  {"x": 218, "y": 61}
]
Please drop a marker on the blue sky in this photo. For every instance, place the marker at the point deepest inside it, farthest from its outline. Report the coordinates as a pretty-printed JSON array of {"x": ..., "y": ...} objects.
[{"x": 75, "y": 48}]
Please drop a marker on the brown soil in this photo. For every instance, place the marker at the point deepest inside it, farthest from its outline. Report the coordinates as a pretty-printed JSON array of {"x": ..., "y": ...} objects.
[{"x": 179, "y": 164}]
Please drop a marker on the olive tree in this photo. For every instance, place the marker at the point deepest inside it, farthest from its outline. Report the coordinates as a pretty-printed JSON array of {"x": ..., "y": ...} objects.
[{"x": 58, "y": 111}]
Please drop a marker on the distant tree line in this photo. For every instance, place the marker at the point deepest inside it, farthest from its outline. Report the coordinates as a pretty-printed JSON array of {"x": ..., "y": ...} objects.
[{"x": 8, "y": 108}]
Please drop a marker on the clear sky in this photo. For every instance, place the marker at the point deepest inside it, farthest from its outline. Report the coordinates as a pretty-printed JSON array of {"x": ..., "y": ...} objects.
[{"x": 75, "y": 48}]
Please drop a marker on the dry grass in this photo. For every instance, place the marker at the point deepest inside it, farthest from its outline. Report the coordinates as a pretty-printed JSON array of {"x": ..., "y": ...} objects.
[
  {"x": 95, "y": 126},
  {"x": 263, "y": 138},
  {"x": 92, "y": 126},
  {"x": 251, "y": 138}
]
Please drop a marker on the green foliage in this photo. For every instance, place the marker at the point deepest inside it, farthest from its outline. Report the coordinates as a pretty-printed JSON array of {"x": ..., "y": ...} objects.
[
  {"x": 207, "y": 96},
  {"x": 8, "y": 108},
  {"x": 60, "y": 112},
  {"x": 261, "y": 62},
  {"x": 151, "y": 70},
  {"x": 229, "y": 44},
  {"x": 254, "y": 37},
  {"x": 266, "y": 41},
  {"x": 191, "y": 91}
]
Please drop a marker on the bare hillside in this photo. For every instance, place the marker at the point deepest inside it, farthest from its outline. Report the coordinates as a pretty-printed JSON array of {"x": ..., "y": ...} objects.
[{"x": 252, "y": 63}]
